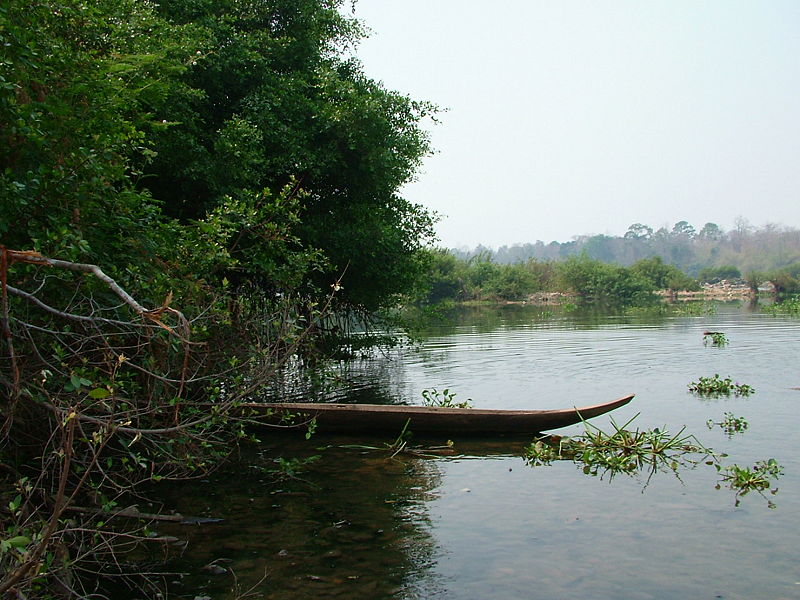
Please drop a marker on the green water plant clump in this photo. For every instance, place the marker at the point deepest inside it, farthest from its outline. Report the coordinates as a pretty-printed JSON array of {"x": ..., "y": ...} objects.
[
  {"x": 715, "y": 338},
  {"x": 445, "y": 398},
  {"x": 789, "y": 306},
  {"x": 695, "y": 309},
  {"x": 653, "y": 450},
  {"x": 717, "y": 386},
  {"x": 730, "y": 424},
  {"x": 757, "y": 478},
  {"x": 621, "y": 451}
]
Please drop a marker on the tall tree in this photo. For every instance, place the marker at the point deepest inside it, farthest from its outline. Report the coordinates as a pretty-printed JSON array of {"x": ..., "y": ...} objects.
[
  {"x": 273, "y": 100},
  {"x": 711, "y": 232},
  {"x": 76, "y": 90},
  {"x": 638, "y": 231},
  {"x": 682, "y": 230}
]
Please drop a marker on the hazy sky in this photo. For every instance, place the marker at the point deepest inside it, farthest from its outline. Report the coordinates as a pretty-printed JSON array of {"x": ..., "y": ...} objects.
[{"x": 573, "y": 117}]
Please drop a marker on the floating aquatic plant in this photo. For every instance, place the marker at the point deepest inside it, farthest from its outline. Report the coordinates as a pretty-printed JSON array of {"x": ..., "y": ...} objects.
[
  {"x": 445, "y": 398},
  {"x": 730, "y": 424},
  {"x": 757, "y": 478},
  {"x": 789, "y": 306},
  {"x": 694, "y": 309},
  {"x": 621, "y": 451},
  {"x": 715, "y": 338},
  {"x": 717, "y": 386}
]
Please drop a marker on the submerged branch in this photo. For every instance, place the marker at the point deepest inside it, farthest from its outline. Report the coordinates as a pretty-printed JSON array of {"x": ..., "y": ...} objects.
[{"x": 132, "y": 512}]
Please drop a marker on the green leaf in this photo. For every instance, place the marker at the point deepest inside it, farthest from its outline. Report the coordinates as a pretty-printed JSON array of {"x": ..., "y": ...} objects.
[
  {"x": 99, "y": 393},
  {"x": 19, "y": 541}
]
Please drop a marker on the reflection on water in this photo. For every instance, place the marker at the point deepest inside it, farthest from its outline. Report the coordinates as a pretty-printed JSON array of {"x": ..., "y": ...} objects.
[
  {"x": 483, "y": 524},
  {"x": 354, "y": 526}
]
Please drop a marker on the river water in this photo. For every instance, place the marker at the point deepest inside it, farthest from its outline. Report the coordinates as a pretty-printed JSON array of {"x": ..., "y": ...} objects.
[{"x": 483, "y": 524}]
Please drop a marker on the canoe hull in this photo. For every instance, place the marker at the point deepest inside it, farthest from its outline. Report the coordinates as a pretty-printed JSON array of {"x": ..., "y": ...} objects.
[{"x": 369, "y": 418}]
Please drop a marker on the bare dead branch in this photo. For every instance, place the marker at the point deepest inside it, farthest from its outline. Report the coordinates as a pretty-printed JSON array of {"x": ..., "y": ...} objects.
[
  {"x": 145, "y": 380},
  {"x": 133, "y": 513},
  {"x": 69, "y": 316},
  {"x": 35, "y": 258}
]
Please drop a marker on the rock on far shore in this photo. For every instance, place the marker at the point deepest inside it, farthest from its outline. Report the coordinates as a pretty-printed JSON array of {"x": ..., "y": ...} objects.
[{"x": 727, "y": 289}]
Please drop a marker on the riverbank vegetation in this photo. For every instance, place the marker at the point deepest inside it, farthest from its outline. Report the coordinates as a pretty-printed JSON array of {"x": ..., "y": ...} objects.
[
  {"x": 194, "y": 195},
  {"x": 191, "y": 196},
  {"x": 595, "y": 267},
  {"x": 482, "y": 277},
  {"x": 789, "y": 306},
  {"x": 744, "y": 249},
  {"x": 590, "y": 280}
]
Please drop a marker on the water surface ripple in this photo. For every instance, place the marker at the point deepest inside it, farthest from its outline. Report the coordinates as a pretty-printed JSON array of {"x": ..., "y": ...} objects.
[{"x": 484, "y": 524}]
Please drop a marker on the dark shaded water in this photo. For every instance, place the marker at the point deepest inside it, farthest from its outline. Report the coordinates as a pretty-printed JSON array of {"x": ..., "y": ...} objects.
[{"x": 483, "y": 524}]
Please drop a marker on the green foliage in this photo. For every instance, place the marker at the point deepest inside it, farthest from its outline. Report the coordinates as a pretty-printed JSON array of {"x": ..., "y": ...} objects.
[
  {"x": 599, "y": 282},
  {"x": 715, "y": 338},
  {"x": 543, "y": 451},
  {"x": 716, "y": 386},
  {"x": 716, "y": 274},
  {"x": 445, "y": 398},
  {"x": 757, "y": 478},
  {"x": 754, "y": 280},
  {"x": 730, "y": 424},
  {"x": 788, "y": 306},
  {"x": 130, "y": 115},
  {"x": 695, "y": 309},
  {"x": 445, "y": 277},
  {"x": 746, "y": 249},
  {"x": 481, "y": 278},
  {"x": 273, "y": 104},
  {"x": 79, "y": 88},
  {"x": 454, "y": 279},
  {"x": 251, "y": 239},
  {"x": 785, "y": 280},
  {"x": 662, "y": 276},
  {"x": 622, "y": 451},
  {"x": 225, "y": 157},
  {"x": 630, "y": 452},
  {"x": 514, "y": 282}
]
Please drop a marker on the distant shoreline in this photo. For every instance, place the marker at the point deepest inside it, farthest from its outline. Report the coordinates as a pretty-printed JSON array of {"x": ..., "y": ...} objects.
[
  {"x": 710, "y": 291},
  {"x": 722, "y": 291}
]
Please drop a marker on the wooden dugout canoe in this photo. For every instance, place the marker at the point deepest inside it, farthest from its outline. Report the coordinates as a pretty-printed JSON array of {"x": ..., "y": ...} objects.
[{"x": 374, "y": 418}]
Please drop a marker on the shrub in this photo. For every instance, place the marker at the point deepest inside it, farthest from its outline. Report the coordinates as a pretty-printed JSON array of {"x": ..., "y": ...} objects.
[
  {"x": 716, "y": 274},
  {"x": 595, "y": 281}
]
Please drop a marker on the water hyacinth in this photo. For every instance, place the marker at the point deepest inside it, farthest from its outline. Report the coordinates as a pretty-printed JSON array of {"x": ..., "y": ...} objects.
[{"x": 717, "y": 386}]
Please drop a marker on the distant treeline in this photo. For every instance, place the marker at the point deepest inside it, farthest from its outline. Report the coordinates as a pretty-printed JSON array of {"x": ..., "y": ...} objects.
[
  {"x": 479, "y": 278},
  {"x": 621, "y": 270},
  {"x": 747, "y": 248}
]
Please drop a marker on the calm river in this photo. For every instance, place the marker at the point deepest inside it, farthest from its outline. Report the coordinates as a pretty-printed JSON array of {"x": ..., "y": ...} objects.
[{"x": 483, "y": 525}]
